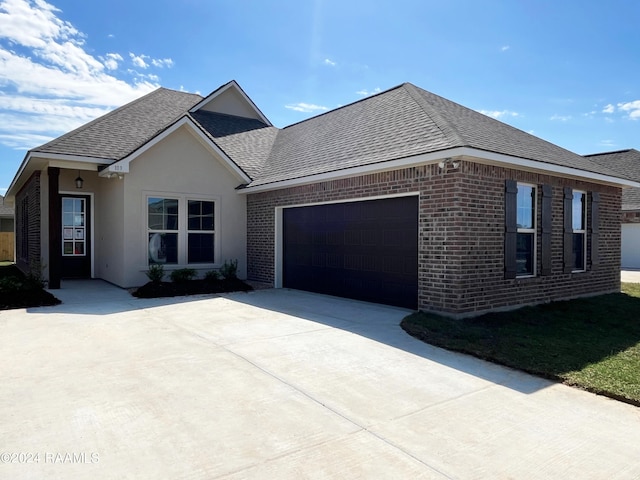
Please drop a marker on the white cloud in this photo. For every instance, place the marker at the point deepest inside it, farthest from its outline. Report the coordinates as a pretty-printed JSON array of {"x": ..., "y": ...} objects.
[
  {"x": 139, "y": 60},
  {"x": 111, "y": 60},
  {"x": 607, "y": 143},
  {"x": 329, "y": 62},
  {"x": 305, "y": 107},
  {"x": 561, "y": 118},
  {"x": 499, "y": 113},
  {"x": 632, "y": 107},
  {"x": 505, "y": 48},
  {"x": 145, "y": 61},
  {"x": 49, "y": 83},
  {"x": 366, "y": 92},
  {"x": 162, "y": 62},
  {"x": 608, "y": 109}
]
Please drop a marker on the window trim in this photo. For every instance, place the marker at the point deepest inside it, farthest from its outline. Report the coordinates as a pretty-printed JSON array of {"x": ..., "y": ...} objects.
[
  {"x": 189, "y": 231},
  {"x": 183, "y": 232},
  {"x": 150, "y": 230},
  {"x": 583, "y": 231},
  {"x": 533, "y": 230}
]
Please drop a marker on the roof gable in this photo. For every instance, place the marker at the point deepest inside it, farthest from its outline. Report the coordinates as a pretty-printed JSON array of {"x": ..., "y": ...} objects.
[{"x": 230, "y": 99}]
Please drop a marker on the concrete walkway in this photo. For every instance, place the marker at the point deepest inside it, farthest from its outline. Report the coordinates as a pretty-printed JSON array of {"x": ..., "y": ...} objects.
[
  {"x": 631, "y": 276},
  {"x": 279, "y": 384}
]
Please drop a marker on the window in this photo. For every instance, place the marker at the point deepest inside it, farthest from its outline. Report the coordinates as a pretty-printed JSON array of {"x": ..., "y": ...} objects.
[
  {"x": 526, "y": 230},
  {"x": 162, "y": 216},
  {"x": 181, "y": 230},
  {"x": 579, "y": 227},
  {"x": 200, "y": 232},
  {"x": 73, "y": 227}
]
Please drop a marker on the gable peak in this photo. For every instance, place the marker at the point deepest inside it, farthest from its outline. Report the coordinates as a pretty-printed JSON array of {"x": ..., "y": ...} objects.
[{"x": 230, "y": 99}]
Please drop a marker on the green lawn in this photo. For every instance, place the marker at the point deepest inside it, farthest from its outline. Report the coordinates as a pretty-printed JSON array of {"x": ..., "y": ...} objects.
[{"x": 591, "y": 343}]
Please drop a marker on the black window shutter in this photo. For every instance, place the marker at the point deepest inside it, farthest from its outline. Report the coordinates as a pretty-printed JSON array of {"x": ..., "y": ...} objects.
[
  {"x": 568, "y": 230},
  {"x": 511, "y": 228},
  {"x": 595, "y": 228},
  {"x": 547, "y": 194}
]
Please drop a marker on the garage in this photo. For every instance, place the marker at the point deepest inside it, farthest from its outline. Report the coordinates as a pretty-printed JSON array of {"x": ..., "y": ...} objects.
[
  {"x": 631, "y": 245},
  {"x": 365, "y": 250}
]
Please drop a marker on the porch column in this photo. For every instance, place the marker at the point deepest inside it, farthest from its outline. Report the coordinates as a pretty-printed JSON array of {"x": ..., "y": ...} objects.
[{"x": 55, "y": 227}]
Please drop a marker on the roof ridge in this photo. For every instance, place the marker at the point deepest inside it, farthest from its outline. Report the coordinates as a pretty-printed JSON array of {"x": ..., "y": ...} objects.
[
  {"x": 107, "y": 115},
  {"x": 610, "y": 153},
  {"x": 448, "y": 130},
  {"x": 344, "y": 106}
]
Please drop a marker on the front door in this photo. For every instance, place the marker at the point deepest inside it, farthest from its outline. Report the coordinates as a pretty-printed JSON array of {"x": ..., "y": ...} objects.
[{"x": 76, "y": 241}]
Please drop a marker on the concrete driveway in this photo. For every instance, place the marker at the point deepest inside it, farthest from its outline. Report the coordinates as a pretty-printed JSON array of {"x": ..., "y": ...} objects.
[{"x": 279, "y": 384}]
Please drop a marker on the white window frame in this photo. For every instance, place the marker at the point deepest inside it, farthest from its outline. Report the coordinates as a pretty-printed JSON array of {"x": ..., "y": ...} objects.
[
  {"x": 183, "y": 232},
  {"x": 533, "y": 230},
  {"x": 161, "y": 230},
  {"x": 189, "y": 232},
  {"x": 582, "y": 231}
]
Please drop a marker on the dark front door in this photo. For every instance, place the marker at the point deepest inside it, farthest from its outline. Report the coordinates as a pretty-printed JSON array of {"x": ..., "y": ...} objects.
[
  {"x": 366, "y": 250},
  {"x": 76, "y": 240}
]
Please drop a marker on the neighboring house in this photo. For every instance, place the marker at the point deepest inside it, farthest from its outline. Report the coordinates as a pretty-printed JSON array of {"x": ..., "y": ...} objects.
[
  {"x": 403, "y": 198},
  {"x": 7, "y": 244},
  {"x": 626, "y": 162}
]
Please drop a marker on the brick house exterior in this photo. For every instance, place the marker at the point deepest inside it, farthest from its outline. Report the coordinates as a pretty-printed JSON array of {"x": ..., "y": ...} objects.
[
  {"x": 461, "y": 235},
  {"x": 426, "y": 204},
  {"x": 28, "y": 212}
]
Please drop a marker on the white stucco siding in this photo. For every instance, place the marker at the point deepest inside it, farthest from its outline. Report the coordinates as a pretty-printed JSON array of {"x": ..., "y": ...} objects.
[
  {"x": 181, "y": 167},
  {"x": 109, "y": 231},
  {"x": 631, "y": 245},
  {"x": 231, "y": 102}
]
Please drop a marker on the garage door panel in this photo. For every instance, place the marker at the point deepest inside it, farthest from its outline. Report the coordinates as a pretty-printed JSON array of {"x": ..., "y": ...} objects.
[{"x": 365, "y": 250}]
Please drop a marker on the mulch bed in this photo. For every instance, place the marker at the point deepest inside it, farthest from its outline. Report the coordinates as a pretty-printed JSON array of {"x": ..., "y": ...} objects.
[
  {"x": 191, "y": 287},
  {"x": 27, "y": 299}
]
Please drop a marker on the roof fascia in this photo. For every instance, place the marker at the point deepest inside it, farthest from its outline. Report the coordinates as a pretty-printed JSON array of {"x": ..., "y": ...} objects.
[
  {"x": 473, "y": 154},
  {"x": 224, "y": 88},
  {"x": 56, "y": 160},
  {"x": 122, "y": 166}
]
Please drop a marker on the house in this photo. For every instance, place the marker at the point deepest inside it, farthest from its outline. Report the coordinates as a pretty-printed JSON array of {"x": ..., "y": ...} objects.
[
  {"x": 626, "y": 162},
  {"x": 6, "y": 232},
  {"x": 403, "y": 197}
]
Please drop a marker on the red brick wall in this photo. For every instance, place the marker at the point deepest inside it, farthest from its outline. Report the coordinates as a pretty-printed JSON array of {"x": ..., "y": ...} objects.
[
  {"x": 461, "y": 235},
  {"x": 28, "y": 259}
]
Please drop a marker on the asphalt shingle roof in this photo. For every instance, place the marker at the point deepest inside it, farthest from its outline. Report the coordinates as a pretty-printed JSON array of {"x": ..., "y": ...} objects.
[
  {"x": 5, "y": 210},
  {"x": 624, "y": 162},
  {"x": 120, "y": 132},
  {"x": 402, "y": 122},
  {"x": 245, "y": 140}
]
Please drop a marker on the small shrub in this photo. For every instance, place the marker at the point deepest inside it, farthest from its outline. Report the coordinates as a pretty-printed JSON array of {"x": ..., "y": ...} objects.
[
  {"x": 10, "y": 284},
  {"x": 229, "y": 270},
  {"x": 212, "y": 276},
  {"x": 155, "y": 273},
  {"x": 34, "y": 281},
  {"x": 183, "y": 275}
]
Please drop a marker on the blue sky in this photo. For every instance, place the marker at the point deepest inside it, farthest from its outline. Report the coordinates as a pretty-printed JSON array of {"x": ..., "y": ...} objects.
[{"x": 565, "y": 71}]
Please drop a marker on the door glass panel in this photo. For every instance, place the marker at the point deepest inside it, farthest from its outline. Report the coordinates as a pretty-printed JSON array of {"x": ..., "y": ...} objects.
[{"x": 73, "y": 227}]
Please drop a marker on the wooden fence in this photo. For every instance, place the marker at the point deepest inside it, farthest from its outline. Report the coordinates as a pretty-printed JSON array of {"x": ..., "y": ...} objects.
[{"x": 7, "y": 243}]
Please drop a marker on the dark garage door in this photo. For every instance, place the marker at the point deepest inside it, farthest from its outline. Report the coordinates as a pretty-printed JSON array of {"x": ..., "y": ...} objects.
[{"x": 365, "y": 250}]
